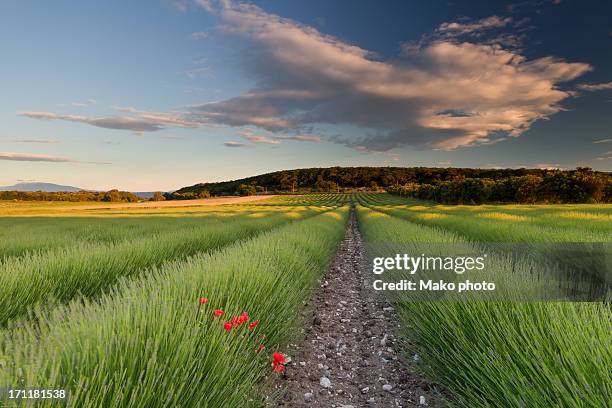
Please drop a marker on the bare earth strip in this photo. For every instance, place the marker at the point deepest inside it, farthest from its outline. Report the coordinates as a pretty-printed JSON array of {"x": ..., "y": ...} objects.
[{"x": 350, "y": 357}]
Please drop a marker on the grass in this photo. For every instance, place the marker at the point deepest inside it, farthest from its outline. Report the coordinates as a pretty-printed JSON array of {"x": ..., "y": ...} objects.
[
  {"x": 86, "y": 269},
  {"x": 501, "y": 354},
  {"x": 104, "y": 301},
  {"x": 148, "y": 343}
]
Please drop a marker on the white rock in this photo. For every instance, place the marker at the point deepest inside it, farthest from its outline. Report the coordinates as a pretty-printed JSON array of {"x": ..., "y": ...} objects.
[
  {"x": 308, "y": 396},
  {"x": 365, "y": 390},
  {"x": 387, "y": 387},
  {"x": 416, "y": 358},
  {"x": 422, "y": 400},
  {"x": 325, "y": 382},
  {"x": 383, "y": 342},
  {"x": 303, "y": 363}
]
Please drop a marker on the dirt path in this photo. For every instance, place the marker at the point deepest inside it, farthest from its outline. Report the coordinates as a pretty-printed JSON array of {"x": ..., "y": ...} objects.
[{"x": 349, "y": 356}]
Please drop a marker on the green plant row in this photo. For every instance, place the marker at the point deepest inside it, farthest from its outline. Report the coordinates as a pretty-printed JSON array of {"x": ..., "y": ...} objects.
[
  {"x": 44, "y": 279},
  {"x": 501, "y": 354},
  {"x": 151, "y": 343}
]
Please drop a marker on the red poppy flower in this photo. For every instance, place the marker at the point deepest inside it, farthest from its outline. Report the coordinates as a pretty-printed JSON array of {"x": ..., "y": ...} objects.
[
  {"x": 218, "y": 312},
  {"x": 203, "y": 301},
  {"x": 254, "y": 324},
  {"x": 243, "y": 318},
  {"x": 227, "y": 326},
  {"x": 260, "y": 348},
  {"x": 278, "y": 358},
  {"x": 278, "y": 361}
]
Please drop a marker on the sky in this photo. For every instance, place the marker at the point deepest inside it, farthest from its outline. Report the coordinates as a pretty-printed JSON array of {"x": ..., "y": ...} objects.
[{"x": 159, "y": 94}]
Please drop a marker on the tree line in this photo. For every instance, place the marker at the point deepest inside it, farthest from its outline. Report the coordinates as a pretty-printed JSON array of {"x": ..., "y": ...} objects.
[
  {"x": 107, "y": 196},
  {"x": 575, "y": 186},
  {"x": 449, "y": 185}
]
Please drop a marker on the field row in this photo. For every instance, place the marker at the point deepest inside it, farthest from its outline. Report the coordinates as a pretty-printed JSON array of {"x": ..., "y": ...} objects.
[
  {"x": 497, "y": 353},
  {"x": 150, "y": 343}
]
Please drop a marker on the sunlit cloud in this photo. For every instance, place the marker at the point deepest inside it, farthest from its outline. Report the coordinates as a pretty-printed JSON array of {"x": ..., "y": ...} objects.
[
  {"x": 141, "y": 121},
  {"x": 33, "y": 157},
  {"x": 304, "y": 77},
  {"x": 595, "y": 87}
]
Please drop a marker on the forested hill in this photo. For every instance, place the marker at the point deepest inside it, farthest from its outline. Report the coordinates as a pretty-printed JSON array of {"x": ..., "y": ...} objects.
[{"x": 372, "y": 178}]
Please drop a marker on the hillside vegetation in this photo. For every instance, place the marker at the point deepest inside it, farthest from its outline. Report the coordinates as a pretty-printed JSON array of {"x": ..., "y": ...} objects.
[{"x": 448, "y": 185}]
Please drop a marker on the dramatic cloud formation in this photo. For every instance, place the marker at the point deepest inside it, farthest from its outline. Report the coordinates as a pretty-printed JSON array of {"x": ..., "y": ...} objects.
[
  {"x": 445, "y": 95},
  {"x": 465, "y": 84},
  {"x": 595, "y": 87},
  {"x": 34, "y": 157},
  {"x": 142, "y": 121}
]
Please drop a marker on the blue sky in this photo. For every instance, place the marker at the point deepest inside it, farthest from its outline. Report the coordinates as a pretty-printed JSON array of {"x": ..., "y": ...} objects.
[{"x": 155, "y": 95}]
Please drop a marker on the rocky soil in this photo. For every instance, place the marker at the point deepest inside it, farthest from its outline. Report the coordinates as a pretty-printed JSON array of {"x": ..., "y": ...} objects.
[{"x": 349, "y": 356}]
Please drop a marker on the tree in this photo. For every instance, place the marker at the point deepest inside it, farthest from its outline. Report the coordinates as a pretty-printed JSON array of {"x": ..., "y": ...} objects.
[{"x": 158, "y": 196}]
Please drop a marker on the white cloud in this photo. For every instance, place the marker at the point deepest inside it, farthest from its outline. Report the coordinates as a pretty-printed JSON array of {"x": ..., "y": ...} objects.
[
  {"x": 458, "y": 28},
  {"x": 234, "y": 144},
  {"x": 206, "y": 5},
  {"x": 199, "y": 35},
  {"x": 595, "y": 87},
  {"x": 305, "y": 77},
  {"x": 39, "y": 141},
  {"x": 255, "y": 138},
  {"x": 602, "y": 141},
  {"x": 141, "y": 121},
  {"x": 88, "y": 102},
  {"x": 34, "y": 157}
]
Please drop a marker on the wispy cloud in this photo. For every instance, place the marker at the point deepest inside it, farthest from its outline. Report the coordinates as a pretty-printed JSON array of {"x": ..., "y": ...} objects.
[
  {"x": 206, "y": 5},
  {"x": 37, "y": 141},
  {"x": 84, "y": 104},
  {"x": 33, "y": 157},
  {"x": 140, "y": 121},
  {"x": 595, "y": 87},
  {"x": 255, "y": 138},
  {"x": 300, "y": 138},
  {"x": 304, "y": 77},
  {"x": 234, "y": 144},
  {"x": 455, "y": 28},
  {"x": 199, "y": 35},
  {"x": 602, "y": 141}
]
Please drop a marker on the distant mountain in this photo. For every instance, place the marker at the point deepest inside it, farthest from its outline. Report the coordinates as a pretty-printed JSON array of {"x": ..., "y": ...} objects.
[
  {"x": 144, "y": 194},
  {"x": 46, "y": 187}
]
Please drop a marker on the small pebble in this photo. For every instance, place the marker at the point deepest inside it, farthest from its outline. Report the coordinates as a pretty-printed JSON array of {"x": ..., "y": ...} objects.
[
  {"x": 387, "y": 387},
  {"x": 365, "y": 390},
  {"x": 325, "y": 382},
  {"x": 308, "y": 396},
  {"x": 422, "y": 400}
]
